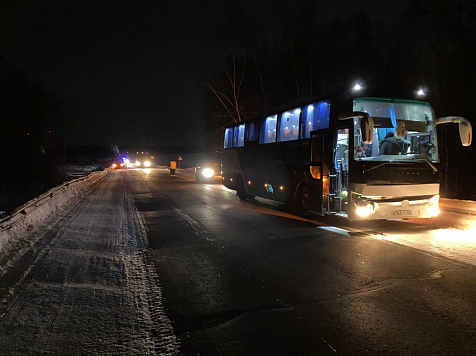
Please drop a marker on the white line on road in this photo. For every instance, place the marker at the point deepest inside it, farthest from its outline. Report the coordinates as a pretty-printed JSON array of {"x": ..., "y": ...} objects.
[{"x": 195, "y": 226}]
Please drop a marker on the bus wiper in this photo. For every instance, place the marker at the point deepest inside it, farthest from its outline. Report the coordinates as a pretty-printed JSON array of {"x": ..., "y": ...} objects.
[
  {"x": 429, "y": 163},
  {"x": 404, "y": 162},
  {"x": 384, "y": 164}
]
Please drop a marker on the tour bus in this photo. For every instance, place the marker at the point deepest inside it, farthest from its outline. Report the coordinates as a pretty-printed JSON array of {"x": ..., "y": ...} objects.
[{"x": 330, "y": 155}]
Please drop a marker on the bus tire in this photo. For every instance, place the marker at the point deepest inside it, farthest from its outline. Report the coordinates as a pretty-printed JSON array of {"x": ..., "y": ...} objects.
[{"x": 240, "y": 189}]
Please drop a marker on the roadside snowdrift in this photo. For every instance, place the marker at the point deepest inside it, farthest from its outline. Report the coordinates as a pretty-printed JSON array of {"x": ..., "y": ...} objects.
[{"x": 15, "y": 228}]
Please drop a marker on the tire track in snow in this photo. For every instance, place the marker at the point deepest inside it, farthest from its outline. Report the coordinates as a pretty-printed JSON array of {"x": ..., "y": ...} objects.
[{"x": 90, "y": 289}]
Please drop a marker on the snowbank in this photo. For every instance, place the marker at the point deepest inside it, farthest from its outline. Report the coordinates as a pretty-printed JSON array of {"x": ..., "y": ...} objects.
[{"x": 14, "y": 228}]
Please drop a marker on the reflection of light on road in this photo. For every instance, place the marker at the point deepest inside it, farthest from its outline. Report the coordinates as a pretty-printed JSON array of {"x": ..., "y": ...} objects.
[
  {"x": 335, "y": 229},
  {"x": 443, "y": 237},
  {"x": 146, "y": 171},
  {"x": 450, "y": 242}
]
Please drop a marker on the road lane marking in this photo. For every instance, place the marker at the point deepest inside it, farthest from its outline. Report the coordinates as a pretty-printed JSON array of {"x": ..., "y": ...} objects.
[{"x": 195, "y": 226}]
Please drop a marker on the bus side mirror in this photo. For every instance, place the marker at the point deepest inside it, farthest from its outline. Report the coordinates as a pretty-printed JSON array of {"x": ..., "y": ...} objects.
[
  {"x": 367, "y": 124},
  {"x": 465, "y": 128}
]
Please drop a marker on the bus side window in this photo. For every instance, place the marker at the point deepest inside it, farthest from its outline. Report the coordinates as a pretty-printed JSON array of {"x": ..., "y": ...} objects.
[
  {"x": 268, "y": 129},
  {"x": 228, "y": 140},
  {"x": 239, "y": 136},
  {"x": 252, "y": 130},
  {"x": 289, "y": 125},
  {"x": 315, "y": 117}
]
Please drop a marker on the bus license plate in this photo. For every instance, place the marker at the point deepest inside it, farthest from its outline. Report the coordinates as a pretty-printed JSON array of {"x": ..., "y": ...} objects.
[{"x": 401, "y": 213}]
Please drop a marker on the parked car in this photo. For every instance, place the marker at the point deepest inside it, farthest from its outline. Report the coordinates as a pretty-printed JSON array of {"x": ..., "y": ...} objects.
[
  {"x": 118, "y": 165},
  {"x": 208, "y": 171}
]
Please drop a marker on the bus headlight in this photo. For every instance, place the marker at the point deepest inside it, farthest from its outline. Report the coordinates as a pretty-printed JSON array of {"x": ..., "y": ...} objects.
[
  {"x": 137, "y": 164},
  {"x": 364, "y": 211},
  {"x": 433, "y": 211},
  {"x": 208, "y": 172},
  {"x": 147, "y": 163}
]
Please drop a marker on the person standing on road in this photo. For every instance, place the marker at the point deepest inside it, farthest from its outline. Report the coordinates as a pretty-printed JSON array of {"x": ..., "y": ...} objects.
[{"x": 172, "y": 167}]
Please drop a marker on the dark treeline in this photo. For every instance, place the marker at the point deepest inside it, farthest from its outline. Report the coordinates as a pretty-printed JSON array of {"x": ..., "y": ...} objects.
[
  {"x": 260, "y": 61},
  {"x": 28, "y": 115},
  {"x": 33, "y": 124}
]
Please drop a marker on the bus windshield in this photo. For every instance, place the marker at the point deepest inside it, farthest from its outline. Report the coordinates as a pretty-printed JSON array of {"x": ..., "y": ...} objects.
[{"x": 404, "y": 130}]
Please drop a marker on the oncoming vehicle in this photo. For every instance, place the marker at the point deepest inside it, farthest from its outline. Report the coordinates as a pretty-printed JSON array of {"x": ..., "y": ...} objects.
[
  {"x": 366, "y": 158},
  {"x": 207, "y": 171},
  {"x": 140, "y": 164}
]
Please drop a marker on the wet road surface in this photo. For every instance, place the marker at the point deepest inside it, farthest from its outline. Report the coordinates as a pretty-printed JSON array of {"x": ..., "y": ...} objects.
[
  {"x": 145, "y": 265},
  {"x": 246, "y": 279}
]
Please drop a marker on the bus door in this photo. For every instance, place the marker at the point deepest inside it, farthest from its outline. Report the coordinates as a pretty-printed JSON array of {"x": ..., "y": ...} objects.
[{"x": 316, "y": 174}]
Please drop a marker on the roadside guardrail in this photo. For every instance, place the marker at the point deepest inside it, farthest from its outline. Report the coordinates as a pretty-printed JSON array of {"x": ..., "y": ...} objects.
[{"x": 9, "y": 220}]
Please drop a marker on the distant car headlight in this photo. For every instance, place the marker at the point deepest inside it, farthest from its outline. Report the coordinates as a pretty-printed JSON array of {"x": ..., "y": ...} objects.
[
  {"x": 147, "y": 163},
  {"x": 137, "y": 164},
  {"x": 208, "y": 172}
]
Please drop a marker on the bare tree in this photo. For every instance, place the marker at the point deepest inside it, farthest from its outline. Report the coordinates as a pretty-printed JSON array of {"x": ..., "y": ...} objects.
[{"x": 230, "y": 97}]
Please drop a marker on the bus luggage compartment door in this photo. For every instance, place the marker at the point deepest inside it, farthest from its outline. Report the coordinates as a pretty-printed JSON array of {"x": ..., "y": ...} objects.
[{"x": 316, "y": 173}]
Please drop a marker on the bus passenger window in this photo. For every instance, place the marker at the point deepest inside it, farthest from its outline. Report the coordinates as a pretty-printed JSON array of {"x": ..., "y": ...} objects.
[
  {"x": 252, "y": 131},
  {"x": 289, "y": 125},
  {"x": 315, "y": 117},
  {"x": 268, "y": 129},
  {"x": 228, "y": 140},
  {"x": 239, "y": 136}
]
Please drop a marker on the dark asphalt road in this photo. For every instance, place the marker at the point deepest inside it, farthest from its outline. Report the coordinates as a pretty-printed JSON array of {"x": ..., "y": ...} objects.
[{"x": 245, "y": 279}]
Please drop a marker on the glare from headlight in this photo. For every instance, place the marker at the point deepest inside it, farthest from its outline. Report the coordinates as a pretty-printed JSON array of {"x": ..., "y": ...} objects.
[
  {"x": 137, "y": 164},
  {"x": 208, "y": 172},
  {"x": 435, "y": 199},
  {"x": 433, "y": 211},
  {"x": 147, "y": 163},
  {"x": 364, "y": 211}
]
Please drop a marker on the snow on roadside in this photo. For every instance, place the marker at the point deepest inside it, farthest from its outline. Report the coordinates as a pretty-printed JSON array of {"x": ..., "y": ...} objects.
[
  {"x": 16, "y": 230},
  {"x": 90, "y": 288}
]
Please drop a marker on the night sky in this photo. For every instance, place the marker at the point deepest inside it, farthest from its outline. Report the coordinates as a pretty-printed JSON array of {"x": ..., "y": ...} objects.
[
  {"x": 126, "y": 67},
  {"x": 129, "y": 71}
]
